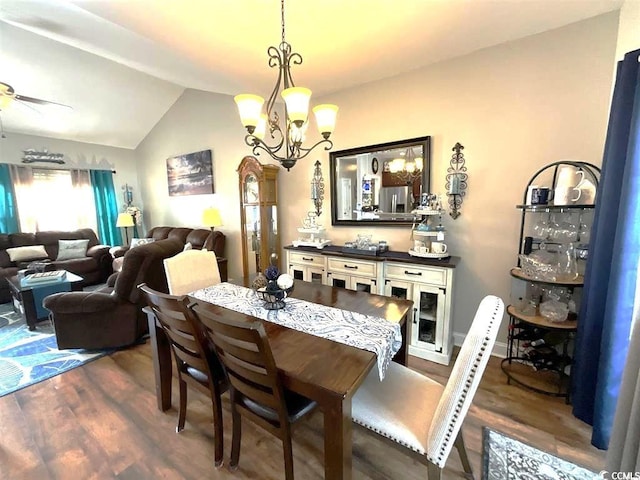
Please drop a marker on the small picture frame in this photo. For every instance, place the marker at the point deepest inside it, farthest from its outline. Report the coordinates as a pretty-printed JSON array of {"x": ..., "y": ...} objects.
[{"x": 374, "y": 165}]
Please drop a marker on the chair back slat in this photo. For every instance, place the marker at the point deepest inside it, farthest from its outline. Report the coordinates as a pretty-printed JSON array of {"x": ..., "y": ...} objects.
[
  {"x": 244, "y": 349},
  {"x": 263, "y": 397},
  {"x": 190, "y": 347},
  {"x": 464, "y": 380}
]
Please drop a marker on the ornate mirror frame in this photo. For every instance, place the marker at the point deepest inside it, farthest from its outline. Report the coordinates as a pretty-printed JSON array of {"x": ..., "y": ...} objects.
[{"x": 360, "y": 196}]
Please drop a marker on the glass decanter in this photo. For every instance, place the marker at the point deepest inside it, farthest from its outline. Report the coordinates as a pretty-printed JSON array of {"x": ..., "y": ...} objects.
[{"x": 567, "y": 264}]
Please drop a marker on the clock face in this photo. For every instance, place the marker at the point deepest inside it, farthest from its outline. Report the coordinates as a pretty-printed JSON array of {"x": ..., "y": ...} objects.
[{"x": 374, "y": 165}]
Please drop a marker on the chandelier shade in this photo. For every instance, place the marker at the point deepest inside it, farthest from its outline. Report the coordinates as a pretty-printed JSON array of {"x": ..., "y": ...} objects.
[
  {"x": 326, "y": 118},
  {"x": 250, "y": 109},
  {"x": 408, "y": 168},
  {"x": 297, "y": 101},
  {"x": 287, "y": 139}
]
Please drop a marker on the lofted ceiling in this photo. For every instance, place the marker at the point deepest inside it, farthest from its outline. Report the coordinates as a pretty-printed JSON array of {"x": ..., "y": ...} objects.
[{"x": 121, "y": 64}]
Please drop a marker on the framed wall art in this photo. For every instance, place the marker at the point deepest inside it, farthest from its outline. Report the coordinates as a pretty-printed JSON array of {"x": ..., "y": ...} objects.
[{"x": 190, "y": 174}]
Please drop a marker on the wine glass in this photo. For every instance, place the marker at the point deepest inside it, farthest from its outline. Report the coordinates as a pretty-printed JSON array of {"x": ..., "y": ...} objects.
[{"x": 541, "y": 228}]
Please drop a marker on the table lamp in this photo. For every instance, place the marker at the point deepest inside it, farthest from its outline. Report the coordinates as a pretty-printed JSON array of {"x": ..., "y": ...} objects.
[
  {"x": 125, "y": 220},
  {"x": 211, "y": 218}
]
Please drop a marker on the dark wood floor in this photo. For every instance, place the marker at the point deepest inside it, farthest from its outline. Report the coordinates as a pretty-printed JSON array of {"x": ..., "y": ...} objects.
[{"x": 100, "y": 421}]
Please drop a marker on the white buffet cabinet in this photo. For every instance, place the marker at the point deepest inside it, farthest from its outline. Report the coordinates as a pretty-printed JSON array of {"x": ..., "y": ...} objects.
[{"x": 427, "y": 282}]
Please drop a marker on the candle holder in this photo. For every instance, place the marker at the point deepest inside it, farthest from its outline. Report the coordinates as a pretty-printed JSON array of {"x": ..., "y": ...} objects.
[
  {"x": 317, "y": 188},
  {"x": 457, "y": 178}
]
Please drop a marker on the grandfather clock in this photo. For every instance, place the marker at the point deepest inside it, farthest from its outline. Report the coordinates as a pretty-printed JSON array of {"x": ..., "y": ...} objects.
[{"x": 259, "y": 217}]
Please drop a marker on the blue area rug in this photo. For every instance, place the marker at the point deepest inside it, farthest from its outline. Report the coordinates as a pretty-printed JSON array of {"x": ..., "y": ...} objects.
[
  {"x": 504, "y": 458},
  {"x": 28, "y": 357}
]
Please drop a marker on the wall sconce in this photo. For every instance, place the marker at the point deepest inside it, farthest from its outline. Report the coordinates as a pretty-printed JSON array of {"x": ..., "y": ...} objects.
[
  {"x": 457, "y": 177},
  {"x": 128, "y": 194},
  {"x": 317, "y": 188}
]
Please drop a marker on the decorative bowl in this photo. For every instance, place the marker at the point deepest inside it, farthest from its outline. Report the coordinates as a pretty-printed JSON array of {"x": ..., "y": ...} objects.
[{"x": 274, "y": 299}]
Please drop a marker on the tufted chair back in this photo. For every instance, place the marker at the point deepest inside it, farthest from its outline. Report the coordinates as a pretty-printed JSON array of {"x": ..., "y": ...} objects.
[
  {"x": 464, "y": 380},
  {"x": 419, "y": 415}
]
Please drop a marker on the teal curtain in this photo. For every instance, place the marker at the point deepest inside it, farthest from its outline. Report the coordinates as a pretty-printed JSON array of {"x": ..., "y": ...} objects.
[
  {"x": 104, "y": 195},
  {"x": 8, "y": 210}
]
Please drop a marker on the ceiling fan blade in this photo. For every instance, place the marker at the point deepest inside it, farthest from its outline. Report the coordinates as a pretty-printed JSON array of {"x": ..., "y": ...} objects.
[{"x": 40, "y": 102}]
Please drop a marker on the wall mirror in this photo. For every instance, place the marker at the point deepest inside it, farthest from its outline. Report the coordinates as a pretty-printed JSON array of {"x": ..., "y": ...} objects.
[{"x": 379, "y": 184}]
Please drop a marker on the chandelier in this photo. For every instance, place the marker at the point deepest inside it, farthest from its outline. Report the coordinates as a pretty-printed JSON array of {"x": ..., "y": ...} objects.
[
  {"x": 289, "y": 138},
  {"x": 409, "y": 168}
]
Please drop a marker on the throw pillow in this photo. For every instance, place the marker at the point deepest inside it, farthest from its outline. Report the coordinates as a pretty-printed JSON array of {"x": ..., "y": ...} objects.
[
  {"x": 71, "y": 249},
  {"x": 187, "y": 246},
  {"x": 140, "y": 241},
  {"x": 28, "y": 252}
]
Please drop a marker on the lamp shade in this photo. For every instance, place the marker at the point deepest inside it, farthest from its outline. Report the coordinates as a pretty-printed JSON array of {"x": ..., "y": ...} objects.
[
  {"x": 5, "y": 100},
  {"x": 261, "y": 129},
  {"x": 326, "y": 118},
  {"x": 124, "y": 220},
  {"x": 250, "y": 108},
  {"x": 297, "y": 100},
  {"x": 211, "y": 217}
]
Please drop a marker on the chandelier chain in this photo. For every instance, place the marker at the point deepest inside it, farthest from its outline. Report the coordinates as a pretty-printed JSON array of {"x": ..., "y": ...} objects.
[{"x": 282, "y": 18}]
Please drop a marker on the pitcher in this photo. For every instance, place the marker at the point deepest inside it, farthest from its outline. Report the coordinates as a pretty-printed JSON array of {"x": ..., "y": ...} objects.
[
  {"x": 587, "y": 190},
  {"x": 567, "y": 177}
]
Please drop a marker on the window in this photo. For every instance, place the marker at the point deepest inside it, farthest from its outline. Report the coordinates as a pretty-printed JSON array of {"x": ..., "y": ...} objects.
[{"x": 56, "y": 200}]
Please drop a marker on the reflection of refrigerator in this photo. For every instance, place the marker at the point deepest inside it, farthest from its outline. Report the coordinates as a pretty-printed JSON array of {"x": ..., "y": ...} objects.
[{"x": 395, "y": 199}]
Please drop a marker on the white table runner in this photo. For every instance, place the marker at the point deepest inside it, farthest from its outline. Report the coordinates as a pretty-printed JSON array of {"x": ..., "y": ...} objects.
[{"x": 366, "y": 332}]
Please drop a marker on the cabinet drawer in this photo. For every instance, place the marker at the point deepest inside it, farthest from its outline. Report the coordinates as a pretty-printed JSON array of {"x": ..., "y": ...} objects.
[
  {"x": 306, "y": 259},
  {"x": 413, "y": 273},
  {"x": 354, "y": 267}
]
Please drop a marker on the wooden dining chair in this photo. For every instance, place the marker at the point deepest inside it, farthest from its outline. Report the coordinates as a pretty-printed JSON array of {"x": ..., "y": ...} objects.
[
  {"x": 419, "y": 415},
  {"x": 191, "y": 270},
  {"x": 256, "y": 387},
  {"x": 196, "y": 362}
]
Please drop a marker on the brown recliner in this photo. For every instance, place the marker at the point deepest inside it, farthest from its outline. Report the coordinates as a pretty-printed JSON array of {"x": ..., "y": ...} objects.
[{"x": 112, "y": 317}]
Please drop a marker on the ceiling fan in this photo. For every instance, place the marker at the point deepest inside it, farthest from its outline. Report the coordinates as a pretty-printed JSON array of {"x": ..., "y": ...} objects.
[{"x": 8, "y": 95}]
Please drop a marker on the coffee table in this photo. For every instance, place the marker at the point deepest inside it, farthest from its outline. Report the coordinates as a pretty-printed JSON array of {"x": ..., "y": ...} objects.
[{"x": 29, "y": 297}]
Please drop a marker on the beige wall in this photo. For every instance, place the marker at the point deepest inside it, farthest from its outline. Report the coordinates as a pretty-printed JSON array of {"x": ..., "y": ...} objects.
[
  {"x": 515, "y": 107},
  {"x": 628, "y": 28},
  {"x": 78, "y": 155},
  {"x": 197, "y": 121}
]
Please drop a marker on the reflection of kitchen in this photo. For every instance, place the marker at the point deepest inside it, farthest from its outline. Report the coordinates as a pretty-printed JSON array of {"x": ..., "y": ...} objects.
[{"x": 390, "y": 193}]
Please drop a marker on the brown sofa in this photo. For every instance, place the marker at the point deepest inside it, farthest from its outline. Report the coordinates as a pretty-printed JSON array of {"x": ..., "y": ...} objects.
[
  {"x": 94, "y": 268},
  {"x": 198, "y": 238}
]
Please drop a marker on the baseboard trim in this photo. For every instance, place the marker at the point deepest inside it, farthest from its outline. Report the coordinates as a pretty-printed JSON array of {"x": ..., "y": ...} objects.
[{"x": 499, "y": 348}]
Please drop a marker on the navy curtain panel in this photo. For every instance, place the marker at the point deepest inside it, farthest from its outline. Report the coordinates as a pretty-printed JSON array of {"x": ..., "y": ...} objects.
[
  {"x": 8, "y": 210},
  {"x": 606, "y": 312},
  {"x": 104, "y": 195}
]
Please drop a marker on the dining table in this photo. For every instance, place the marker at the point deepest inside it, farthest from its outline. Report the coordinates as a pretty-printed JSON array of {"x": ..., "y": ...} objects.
[{"x": 323, "y": 370}]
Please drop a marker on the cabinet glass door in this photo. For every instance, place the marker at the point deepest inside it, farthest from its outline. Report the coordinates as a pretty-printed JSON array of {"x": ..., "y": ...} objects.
[
  {"x": 340, "y": 281},
  {"x": 363, "y": 285},
  {"x": 427, "y": 327},
  {"x": 397, "y": 289},
  {"x": 253, "y": 240},
  {"x": 271, "y": 224},
  {"x": 316, "y": 275},
  {"x": 297, "y": 272}
]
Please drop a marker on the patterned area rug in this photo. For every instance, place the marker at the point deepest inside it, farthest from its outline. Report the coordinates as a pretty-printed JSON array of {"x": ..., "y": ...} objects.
[
  {"x": 28, "y": 357},
  {"x": 504, "y": 458}
]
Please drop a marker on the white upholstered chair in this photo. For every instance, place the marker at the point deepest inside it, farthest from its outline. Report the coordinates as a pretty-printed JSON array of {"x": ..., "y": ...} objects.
[
  {"x": 191, "y": 270},
  {"x": 419, "y": 415}
]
